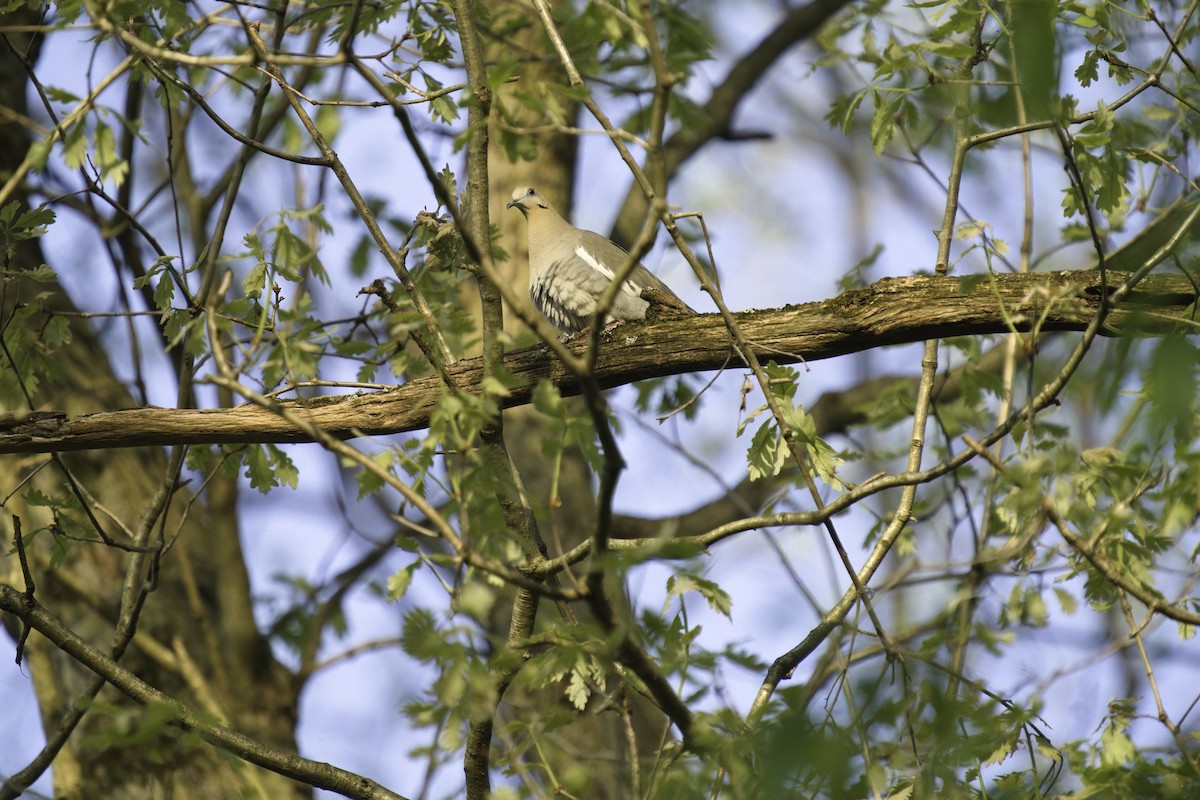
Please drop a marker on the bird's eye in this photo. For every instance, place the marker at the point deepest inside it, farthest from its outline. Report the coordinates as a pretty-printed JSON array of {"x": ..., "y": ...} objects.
[{"x": 531, "y": 192}]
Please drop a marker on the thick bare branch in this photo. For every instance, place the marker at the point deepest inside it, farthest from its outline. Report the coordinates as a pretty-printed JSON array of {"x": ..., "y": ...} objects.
[{"x": 891, "y": 311}]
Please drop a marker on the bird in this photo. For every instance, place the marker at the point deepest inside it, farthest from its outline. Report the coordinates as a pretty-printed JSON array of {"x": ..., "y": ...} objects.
[{"x": 570, "y": 268}]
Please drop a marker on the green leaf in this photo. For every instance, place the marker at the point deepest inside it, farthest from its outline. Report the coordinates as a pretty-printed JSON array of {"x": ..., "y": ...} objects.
[
  {"x": 718, "y": 599},
  {"x": 42, "y": 273},
  {"x": 39, "y": 154},
  {"x": 494, "y": 387},
  {"x": 267, "y": 467},
  {"x": 1035, "y": 52},
  {"x": 57, "y": 332},
  {"x": 329, "y": 122},
  {"x": 565, "y": 428},
  {"x": 398, "y": 583},
  {"x": 255, "y": 280},
  {"x": 112, "y": 166},
  {"x": 164, "y": 291},
  {"x": 444, "y": 109},
  {"x": 1116, "y": 748},
  {"x": 450, "y": 183},
  {"x": 577, "y": 690},
  {"x": 1171, "y": 386},
  {"x": 475, "y": 600},
  {"x": 36, "y": 497},
  {"x": 504, "y": 68},
  {"x": 29, "y": 224},
  {"x": 58, "y": 95},
  {"x": 75, "y": 147},
  {"x": 420, "y": 636},
  {"x": 767, "y": 453},
  {"x": 1066, "y": 600},
  {"x": 883, "y": 121},
  {"x": 1088, "y": 71}
]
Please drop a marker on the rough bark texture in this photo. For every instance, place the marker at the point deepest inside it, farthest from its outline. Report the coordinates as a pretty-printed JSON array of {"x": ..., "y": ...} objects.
[
  {"x": 196, "y": 636},
  {"x": 590, "y": 756},
  {"x": 891, "y": 311}
]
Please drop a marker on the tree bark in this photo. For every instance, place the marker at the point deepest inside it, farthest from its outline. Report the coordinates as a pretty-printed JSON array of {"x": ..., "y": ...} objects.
[
  {"x": 196, "y": 638},
  {"x": 889, "y": 312}
]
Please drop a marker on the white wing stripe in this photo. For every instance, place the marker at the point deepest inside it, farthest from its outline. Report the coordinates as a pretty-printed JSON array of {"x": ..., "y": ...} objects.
[{"x": 629, "y": 287}]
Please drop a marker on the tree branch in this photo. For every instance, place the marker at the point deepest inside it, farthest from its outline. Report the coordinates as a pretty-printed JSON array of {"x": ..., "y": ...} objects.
[
  {"x": 891, "y": 311},
  {"x": 314, "y": 773},
  {"x": 797, "y": 25}
]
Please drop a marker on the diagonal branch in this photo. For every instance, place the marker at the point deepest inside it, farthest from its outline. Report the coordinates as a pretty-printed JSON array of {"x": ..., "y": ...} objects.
[
  {"x": 797, "y": 25},
  {"x": 314, "y": 773}
]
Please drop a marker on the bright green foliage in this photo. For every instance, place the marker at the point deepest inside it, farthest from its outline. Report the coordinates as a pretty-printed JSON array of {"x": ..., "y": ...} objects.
[
  {"x": 1077, "y": 523},
  {"x": 462, "y": 690},
  {"x": 267, "y": 467},
  {"x": 566, "y": 428},
  {"x": 17, "y": 225},
  {"x": 768, "y": 453},
  {"x": 664, "y": 398},
  {"x": 1170, "y": 386},
  {"x": 717, "y": 598},
  {"x": 1034, "y": 51},
  {"x": 69, "y": 524},
  {"x": 30, "y": 336},
  {"x": 151, "y": 730}
]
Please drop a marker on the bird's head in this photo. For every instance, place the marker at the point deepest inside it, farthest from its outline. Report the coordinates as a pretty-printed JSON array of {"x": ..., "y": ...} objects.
[{"x": 527, "y": 198}]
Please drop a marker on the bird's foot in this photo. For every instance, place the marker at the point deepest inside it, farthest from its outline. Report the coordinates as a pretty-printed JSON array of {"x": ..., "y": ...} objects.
[{"x": 611, "y": 325}]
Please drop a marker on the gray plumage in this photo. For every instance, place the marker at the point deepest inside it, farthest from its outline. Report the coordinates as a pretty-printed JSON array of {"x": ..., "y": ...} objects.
[{"x": 569, "y": 269}]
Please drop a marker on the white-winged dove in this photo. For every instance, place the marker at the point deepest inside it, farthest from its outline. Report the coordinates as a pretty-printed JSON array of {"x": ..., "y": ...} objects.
[{"x": 569, "y": 269}]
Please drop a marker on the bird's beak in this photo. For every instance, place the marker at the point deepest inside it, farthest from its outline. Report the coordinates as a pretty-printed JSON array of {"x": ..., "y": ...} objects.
[{"x": 513, "y": 203}]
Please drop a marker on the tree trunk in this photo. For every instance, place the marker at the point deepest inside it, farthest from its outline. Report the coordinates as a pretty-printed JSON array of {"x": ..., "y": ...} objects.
[
  {"x": 196, "y": 637},
  {"x": 592, "y": 755}
]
